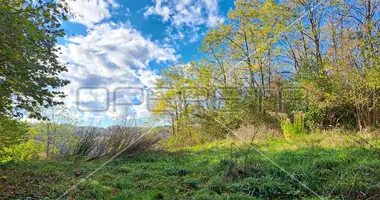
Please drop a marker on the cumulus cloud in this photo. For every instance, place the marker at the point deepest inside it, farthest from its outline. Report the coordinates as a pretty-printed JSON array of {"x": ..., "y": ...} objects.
[
  {"x": 186, "y": 14},
  {"x": 111, "y": 57},
  {"x": 90, "y": 12},
  {"x": 148, "y": 78}
]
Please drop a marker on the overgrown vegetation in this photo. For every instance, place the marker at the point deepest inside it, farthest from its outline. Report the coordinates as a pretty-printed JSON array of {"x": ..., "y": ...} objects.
[
  {"x": 11, "y": 137},
  {"x": 219, "y": 170},
  {"x": 282, "y": 105},
  {"x": 269, "y": 65}
]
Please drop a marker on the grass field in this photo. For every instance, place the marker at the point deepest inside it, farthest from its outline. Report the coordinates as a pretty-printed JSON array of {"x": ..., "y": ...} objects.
[{"x": 217, "y": 172}]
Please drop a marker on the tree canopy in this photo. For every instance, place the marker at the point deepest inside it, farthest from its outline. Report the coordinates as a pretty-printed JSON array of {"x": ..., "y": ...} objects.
[
  {"x": 29, "y": 66},
  {"x": 273, "y": 58}
]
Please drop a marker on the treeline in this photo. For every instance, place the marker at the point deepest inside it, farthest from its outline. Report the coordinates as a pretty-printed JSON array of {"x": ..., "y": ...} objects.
[{"x": 313, "y": 60}]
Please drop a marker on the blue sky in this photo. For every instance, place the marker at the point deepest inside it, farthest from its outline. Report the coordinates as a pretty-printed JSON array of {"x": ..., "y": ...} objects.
[{"x": 116, "y": 49}]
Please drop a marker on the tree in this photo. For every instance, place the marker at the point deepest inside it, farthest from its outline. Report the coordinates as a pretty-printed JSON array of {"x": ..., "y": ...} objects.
[
  {"x": 251, "y": 38},
  {"x": 345, "y": 86},
  {"x": 12, "y": 132},
  {"x": 309, "y": 58},
  {"x": 58, "y": 131},
  {"x": 29, "y": 66},
  {"x": 172, "y": 96}
]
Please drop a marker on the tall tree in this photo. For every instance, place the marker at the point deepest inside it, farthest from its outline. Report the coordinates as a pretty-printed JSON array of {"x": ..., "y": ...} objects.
[{"x": 29, "y": 66}]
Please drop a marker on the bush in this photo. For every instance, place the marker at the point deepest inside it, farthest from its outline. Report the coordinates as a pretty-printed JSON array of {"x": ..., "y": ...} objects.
[
  {"x": 24, "y": 151},
  {"x": 290, "y": 129},
  {"x": 94, "y": 143},
  {"x": 30, "y": 148},
  {"x": 12, "y": 133},
  {"x": 86, "y": 144},
  {"x": 128, "y": 140}
]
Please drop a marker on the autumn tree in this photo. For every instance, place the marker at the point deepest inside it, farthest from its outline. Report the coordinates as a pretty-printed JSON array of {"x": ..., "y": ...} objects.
[{"x": 317, "y": 59}]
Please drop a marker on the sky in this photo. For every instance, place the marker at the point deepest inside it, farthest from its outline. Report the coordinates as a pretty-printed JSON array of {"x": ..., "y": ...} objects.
[{"x": 115, "y": 50}]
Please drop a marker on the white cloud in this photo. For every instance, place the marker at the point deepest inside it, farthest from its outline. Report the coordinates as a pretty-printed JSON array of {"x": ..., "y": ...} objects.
[
  {"x": 90, "y": 12},
  {"x": 158, "y": 9},
  {"x": 111, "y": 56},
  {"x": 190, "y": 14},
  {"x": 186, "y": 12},
  {"x": 148, "y": 78}
]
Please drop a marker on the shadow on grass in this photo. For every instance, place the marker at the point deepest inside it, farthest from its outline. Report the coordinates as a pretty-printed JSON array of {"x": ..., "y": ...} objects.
[{"x": 218, "y": 173}]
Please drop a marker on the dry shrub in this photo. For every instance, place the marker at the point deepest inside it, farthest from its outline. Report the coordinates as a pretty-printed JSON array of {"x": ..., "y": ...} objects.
[
  {"x": 249, "y": 132},
  {"x": 123, "y": 138},
  {"x": 87, "y": 144},
  {"x": 127, "y": 137},
  {"x": 129, "y": 140}
]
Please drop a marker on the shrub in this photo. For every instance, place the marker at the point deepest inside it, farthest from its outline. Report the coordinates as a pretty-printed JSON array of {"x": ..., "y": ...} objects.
[
  {"x": 93, "y": 143},
  {"x": 12, "y": 133},
  {"x": 87, "y": 143},
  {"x": 128, "y": 140},
  {"x": 31, "y": 148},
  {"x": 187, "y": 137},
  {"x": 290, "y": 129}
]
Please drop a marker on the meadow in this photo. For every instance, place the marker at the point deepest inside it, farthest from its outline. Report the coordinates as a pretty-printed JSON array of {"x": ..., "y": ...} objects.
[
  {"x": 336, "y": 167},
  {"x": 276, "y": 100}
]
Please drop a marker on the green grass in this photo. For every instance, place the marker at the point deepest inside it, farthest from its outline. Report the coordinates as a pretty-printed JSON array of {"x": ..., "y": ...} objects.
[{"x": 211, "y": 173}]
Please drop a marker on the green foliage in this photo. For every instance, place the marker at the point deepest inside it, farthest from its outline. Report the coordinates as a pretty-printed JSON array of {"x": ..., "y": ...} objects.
[
  {"x": 292, "y": 129},
  {"x": 251, "y": 61},
  {"x": 12, "y": 133},
  {"x": 29, "y": 63},
  {"x": 263, "y": 59},
  {"x": 29, "y": 149},
  {"x": 25, "y": 151},
  {"x": 58, "y": 131}
]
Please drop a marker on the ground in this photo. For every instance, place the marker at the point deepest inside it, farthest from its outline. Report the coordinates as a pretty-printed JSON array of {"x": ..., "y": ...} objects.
[{"x": 216, "y": 172}]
